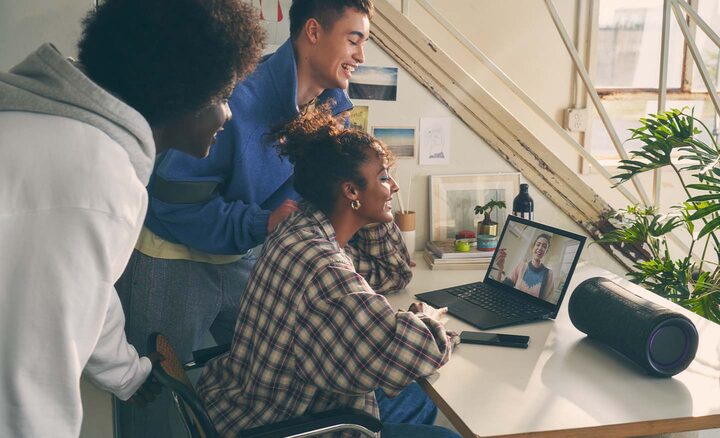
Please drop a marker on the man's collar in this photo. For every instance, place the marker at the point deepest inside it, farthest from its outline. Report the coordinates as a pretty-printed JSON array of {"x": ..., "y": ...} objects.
[
  {"x": 283, "y": 71},
  {"x": 282, "y": 66}
]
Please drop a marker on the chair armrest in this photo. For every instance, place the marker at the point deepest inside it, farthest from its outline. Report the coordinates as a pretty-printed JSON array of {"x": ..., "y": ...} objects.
[
  {"x": 349, "y": 418},
  {"x": 201, "y": 357}
]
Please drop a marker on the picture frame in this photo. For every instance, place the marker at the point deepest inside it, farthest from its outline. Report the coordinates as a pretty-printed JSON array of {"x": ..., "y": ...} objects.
[
  {"x": 453, "y": 199},
  {"x": 400, "y": 139}
]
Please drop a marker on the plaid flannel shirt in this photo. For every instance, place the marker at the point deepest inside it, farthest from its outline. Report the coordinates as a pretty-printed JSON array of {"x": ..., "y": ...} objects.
[{"x": 312, "y": 333}]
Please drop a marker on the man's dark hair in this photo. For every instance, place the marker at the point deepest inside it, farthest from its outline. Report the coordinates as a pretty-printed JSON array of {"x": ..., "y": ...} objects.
[
  {"x": 168, "y": 58},
  {"x": 326, "y": 12}
]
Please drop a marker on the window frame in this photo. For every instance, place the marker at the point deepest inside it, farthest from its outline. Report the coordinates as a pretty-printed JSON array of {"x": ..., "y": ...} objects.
[{"x": 684, "y": 92}]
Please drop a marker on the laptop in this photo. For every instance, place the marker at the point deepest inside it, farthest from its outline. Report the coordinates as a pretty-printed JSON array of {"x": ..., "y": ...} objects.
[{"x": 527, "y": 278}]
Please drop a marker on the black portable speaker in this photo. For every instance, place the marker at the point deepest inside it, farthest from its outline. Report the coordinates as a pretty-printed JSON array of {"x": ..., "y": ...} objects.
[{"x": 661, "y": 341}]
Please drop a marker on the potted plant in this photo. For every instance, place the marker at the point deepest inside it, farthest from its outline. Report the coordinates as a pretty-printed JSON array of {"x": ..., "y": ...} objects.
[
  {"x": 487, "y": 225},
  {"x": 670, "y": 139}
]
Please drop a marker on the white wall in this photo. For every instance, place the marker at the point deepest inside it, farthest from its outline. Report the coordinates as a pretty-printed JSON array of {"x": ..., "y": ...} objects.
[{"x": 25, "y": 24}]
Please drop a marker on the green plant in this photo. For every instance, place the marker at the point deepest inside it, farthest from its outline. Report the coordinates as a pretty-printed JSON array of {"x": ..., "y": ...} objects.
[
  {"x": 669, "y": 139},
  {"x": 487, "y": 208}
]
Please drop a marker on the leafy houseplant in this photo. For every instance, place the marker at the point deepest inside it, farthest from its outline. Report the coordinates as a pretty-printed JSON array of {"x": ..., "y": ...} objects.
[
  {"x": 670, "y": 139},
  {"x": 488, "y": 226}
]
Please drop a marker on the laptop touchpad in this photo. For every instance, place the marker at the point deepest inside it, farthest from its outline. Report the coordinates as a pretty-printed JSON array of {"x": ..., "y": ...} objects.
[{"x": 474, "y": 314}]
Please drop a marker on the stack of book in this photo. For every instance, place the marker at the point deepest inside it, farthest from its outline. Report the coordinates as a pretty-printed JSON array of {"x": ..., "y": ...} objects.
[{"x": 441, "y": 254}]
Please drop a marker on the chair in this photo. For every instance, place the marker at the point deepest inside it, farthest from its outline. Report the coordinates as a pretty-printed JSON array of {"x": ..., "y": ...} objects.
[{"x": 170, "y": 373}]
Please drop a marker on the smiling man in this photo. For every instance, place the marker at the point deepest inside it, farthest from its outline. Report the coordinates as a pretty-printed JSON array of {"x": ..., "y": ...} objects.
[{"x": 194, "y": 255}]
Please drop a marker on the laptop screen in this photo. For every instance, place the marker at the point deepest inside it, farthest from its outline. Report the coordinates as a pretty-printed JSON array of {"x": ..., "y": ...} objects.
[{"x": 535, "y": 259}]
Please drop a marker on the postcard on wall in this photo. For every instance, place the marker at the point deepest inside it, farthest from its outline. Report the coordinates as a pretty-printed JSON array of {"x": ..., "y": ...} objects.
[
  {"x": 275, "y": 18},
  {"x": 435, "y": 140},
  {"x": 400, "y": 140},
  {"x": 359, "y": 118},
  {"x": 374, "y": 83}
]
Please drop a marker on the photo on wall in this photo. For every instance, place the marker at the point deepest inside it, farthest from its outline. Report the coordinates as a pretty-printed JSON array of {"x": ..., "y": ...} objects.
[
  {"x": 400, "y": 140},
  {"x": 374, "y": 83},
  {"x": 359, "y": 118}
]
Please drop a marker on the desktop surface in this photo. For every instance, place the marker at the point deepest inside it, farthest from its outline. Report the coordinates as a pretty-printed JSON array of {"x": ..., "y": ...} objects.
[{"x": 565, "y": 384}]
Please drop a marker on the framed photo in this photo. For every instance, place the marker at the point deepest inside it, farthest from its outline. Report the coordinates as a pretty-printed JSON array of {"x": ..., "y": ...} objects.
[
  {"x": 453, "y": 199},
  {"x": 400, "y": 140}
]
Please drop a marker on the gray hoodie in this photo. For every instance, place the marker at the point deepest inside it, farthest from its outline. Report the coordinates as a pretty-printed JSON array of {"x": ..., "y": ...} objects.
[{"x": 45, "y": 82}]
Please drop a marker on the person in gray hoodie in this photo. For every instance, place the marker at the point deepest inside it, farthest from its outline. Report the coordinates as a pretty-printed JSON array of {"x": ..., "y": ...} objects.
[{"x": 78, "y": 142}]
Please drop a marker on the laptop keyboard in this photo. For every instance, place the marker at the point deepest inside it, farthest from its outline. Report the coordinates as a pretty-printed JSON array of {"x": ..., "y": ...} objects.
[{"x": 504, "y": 305}]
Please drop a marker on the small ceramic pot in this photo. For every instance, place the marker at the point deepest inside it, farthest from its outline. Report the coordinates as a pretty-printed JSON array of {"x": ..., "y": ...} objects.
[{"x": 486, "y": 242}]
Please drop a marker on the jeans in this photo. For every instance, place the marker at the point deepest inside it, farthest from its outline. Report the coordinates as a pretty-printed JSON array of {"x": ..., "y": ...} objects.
[
  {"x": 411, "y": 406},
  {"x": 182, "y": 300}
]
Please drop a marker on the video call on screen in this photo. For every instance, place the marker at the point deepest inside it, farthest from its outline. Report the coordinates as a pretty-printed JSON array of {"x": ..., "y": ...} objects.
[{"x": 519, "y": 243}]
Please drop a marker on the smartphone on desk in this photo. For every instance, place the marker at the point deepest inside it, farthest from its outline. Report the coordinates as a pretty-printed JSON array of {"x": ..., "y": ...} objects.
[{"x": 499, "y": 339}]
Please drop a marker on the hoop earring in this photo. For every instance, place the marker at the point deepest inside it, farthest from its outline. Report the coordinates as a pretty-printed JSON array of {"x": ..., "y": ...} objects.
[{"x": 355, "y": 205}]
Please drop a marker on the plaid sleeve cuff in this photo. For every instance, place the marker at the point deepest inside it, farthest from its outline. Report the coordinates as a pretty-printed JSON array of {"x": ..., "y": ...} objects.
[{"x": 380, "y": 255}]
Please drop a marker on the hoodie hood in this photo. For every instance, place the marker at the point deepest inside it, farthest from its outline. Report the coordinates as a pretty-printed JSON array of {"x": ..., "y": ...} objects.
[{"x": 47, "y": 83}]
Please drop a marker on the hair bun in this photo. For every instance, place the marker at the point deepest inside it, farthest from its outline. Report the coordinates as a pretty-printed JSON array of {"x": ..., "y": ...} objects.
[{"x": 308, "y": 134}]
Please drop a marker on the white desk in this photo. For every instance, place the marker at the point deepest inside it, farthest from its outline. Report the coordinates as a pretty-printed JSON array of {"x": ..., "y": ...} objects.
[{"x": 565, "y": 384}]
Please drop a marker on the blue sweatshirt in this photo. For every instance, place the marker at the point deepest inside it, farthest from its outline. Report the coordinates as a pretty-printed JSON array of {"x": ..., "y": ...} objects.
[{"x": 220, "y": 204}]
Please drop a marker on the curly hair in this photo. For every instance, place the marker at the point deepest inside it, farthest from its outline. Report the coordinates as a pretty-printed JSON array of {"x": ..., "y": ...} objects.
[
  {"x": 325, "y": 155},
  {"x": 168, "y": 58},
  {"x": 326, "y": 12}
]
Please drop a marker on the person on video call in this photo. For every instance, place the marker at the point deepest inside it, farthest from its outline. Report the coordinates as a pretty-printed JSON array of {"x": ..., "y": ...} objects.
[{"x": 531, "y": 277}]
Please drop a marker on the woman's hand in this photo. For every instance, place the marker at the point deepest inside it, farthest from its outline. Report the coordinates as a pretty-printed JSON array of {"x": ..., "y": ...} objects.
[
  {"x": 500, "y": 259},
  {"x": 439, "y": 315}
]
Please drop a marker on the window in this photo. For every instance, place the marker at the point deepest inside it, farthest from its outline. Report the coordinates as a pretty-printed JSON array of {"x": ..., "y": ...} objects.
[
  {"x": 628, "y": 45},
  {"x": 627, "y": 67}
]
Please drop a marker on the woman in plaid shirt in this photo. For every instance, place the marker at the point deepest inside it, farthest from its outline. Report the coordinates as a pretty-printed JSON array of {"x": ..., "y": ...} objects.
[{"x": 313, "y": 332}]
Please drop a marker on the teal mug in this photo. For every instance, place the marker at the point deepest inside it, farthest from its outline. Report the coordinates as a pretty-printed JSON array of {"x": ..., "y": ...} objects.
[{"x": 486, "y": 242}]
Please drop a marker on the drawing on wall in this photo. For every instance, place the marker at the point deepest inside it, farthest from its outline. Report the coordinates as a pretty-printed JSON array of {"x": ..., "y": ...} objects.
[
  {"x": 359, "y": 118},
  {"x": 374, "y": 83},
  {"x": 400, "y": 140},
  {"x": 275, "y": 16},
  {"x": 435, "y": 140}
]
